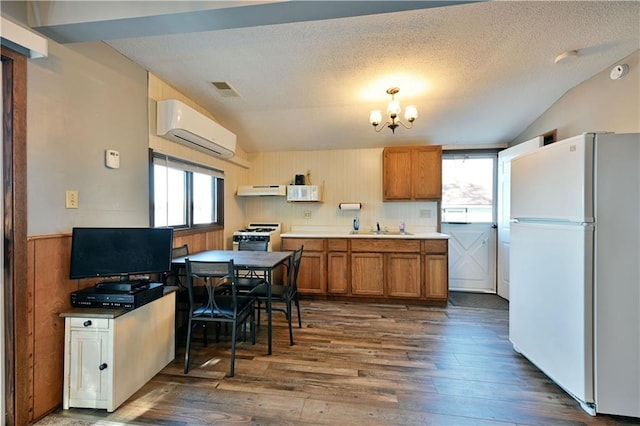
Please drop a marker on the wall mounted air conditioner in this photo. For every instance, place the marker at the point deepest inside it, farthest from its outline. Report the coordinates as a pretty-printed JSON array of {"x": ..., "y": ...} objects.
[{"x": 183, "y": 124}]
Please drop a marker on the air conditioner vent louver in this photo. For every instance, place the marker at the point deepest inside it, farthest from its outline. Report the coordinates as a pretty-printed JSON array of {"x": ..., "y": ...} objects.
[{"x": 181, "y": 123}]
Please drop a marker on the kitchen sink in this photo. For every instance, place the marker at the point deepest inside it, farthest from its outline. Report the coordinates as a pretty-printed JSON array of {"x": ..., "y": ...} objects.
[{"x": 380, "y": 233}]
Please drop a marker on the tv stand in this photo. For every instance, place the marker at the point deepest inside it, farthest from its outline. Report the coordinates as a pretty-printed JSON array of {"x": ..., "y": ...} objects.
[{"x": 111, "y": 353}]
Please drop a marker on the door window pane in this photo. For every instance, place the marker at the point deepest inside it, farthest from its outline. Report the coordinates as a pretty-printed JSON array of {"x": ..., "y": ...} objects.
[{"x": 467, "y": 189}]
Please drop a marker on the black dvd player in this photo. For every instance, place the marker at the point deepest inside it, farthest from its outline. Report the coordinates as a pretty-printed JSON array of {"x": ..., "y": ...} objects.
[
  {"x": 97, "y": 297},
  {"x": 129, "y": 285}
]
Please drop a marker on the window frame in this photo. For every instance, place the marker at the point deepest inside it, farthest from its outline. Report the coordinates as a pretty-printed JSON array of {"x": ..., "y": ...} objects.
[{"x": 189, "y": 167}]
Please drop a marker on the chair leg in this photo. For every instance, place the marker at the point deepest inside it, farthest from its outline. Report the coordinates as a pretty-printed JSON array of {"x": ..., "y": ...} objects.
[
  {"x": 253, "y": 326},
  {"x": 233, "y": 349},
  {"x": 298, "y": 309},
  {"x": 186, "y": 352},
  {"x": 289, "y": 320},
  {"x": 259, "y": 309}
]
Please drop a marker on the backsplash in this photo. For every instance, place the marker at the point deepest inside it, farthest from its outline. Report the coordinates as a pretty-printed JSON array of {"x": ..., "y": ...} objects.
[{"x": 346, "y": 176}]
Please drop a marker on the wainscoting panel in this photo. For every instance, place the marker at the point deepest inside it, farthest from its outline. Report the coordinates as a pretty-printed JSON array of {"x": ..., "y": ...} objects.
[{"x": 48, "y": 289}]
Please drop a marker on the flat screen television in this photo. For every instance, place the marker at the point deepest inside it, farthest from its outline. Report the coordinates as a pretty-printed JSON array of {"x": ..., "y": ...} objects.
[{"x": 120, "y": 252}]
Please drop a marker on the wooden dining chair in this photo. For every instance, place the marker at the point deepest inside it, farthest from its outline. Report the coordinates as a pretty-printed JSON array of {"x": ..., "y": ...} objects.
[
  {"x": 223, "y": 305},
  {"x": 284, "y": 293}
]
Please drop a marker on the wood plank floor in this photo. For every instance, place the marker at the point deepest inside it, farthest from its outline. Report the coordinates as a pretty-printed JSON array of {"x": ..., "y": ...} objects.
[{"x": 357, "y": 364}]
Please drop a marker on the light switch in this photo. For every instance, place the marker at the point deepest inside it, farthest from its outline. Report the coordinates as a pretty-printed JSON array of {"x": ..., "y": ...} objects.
[{"x": 71, "y": 199}]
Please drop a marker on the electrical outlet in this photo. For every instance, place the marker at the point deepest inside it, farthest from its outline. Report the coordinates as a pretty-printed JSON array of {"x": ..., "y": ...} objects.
[
  {"x": 307, "y": 214},
  {"x": 425, "y": 213},
  {"x": 71, "y": 201}
]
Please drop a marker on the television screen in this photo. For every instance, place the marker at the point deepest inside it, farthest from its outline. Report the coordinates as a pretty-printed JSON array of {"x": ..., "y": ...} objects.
[{"x": 110, "y": 252}]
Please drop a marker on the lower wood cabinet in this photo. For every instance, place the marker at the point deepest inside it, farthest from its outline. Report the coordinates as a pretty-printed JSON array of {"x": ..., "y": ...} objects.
[
  {"x": 435, "y": 277},
  {"x": 337, "y": 271},
  {"x": 403, "y": 275},
  {"x": 436, "y": 270},
  {"x": 312, "y": 277},
  {"x": 367, "y": 274},
  {"x": 378, "y": 268}
]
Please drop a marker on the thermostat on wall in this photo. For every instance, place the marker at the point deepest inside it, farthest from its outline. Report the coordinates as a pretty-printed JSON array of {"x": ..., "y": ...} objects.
[{"x": 112, "y": 159}]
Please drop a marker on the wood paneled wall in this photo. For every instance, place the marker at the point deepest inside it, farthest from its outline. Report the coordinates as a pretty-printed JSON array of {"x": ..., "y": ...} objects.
[{"x": 48, "y": 288}]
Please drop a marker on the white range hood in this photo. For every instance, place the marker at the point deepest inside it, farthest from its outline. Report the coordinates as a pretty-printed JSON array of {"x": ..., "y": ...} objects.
[{"x": 262, "y": 191}]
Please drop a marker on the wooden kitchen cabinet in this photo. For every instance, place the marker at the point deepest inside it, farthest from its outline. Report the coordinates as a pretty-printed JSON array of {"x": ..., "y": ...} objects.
[
  {"x": 412, "y": 173},
  {"x": 402, "y": 269},
  {"x": 403, "y": 275},
  {"x": 337, "y": 266},
  {"x": 367, "y": 274},
  {"x": 312, "y": 276},
  {"x": 436, "y": 270}
]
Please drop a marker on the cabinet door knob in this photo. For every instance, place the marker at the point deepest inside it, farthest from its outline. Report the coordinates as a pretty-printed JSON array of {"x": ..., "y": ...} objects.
[
  {"x": 103, "y": 366},
  {"x": 87, "y": 323}
]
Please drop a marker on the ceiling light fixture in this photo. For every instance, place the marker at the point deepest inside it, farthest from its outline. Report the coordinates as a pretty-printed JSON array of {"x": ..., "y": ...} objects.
[{"x": 393, "y": 109}]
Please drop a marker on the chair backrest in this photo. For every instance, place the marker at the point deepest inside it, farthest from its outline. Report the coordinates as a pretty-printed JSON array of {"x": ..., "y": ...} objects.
[
  {"x": 253, "y": 245},
  {"x": 294, "y": 268},
  {"x": 180, "y": 251},
  {"x": 218, "y": 278}
]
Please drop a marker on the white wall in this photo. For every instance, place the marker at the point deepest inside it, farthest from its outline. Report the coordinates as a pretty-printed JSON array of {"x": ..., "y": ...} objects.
[
  {"x": 598, "y": 104},
  {"x": 350, "y": 175},
  {"x": 82, "y": 100}
]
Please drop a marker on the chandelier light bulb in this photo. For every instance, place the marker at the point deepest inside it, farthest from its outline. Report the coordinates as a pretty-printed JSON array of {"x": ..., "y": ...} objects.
[
  {"x": 410, "y": 113},
  {"x": 376, "y": 117},
  {"x": 393, "y": 110}
]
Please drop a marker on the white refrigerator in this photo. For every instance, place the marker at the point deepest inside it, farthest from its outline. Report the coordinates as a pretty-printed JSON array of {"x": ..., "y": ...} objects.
[{"x": 574, "y": 308}]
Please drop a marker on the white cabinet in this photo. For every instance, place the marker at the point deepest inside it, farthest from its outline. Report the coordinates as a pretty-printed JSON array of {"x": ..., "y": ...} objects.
[{"x": 110, "y": 354}]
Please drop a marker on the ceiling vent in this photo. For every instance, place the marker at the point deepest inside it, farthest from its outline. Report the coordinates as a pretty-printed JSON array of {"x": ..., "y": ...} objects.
[
  {"x": 183, "y": 124},
  {"x": 225, "y": 90}
]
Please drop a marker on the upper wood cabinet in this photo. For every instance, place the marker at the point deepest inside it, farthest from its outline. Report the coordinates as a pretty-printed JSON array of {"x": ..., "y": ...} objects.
[{"x": 412, "y": 173}]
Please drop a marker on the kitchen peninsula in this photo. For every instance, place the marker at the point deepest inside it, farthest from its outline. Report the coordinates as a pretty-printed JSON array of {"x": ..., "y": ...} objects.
[{"x": 407, "y": 267}]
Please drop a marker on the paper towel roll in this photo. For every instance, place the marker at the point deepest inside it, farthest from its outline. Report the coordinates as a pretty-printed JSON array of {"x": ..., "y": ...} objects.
[{"x": 350, "y": 206}]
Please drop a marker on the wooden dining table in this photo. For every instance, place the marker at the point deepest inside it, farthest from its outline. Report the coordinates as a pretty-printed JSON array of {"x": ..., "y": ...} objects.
[{"x": 259, "y": 261}]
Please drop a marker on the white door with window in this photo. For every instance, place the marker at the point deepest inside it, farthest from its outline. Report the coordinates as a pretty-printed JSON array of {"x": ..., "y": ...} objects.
[
  {"x": 504, "y": 208},
  {"x": 468, "y": 216}
]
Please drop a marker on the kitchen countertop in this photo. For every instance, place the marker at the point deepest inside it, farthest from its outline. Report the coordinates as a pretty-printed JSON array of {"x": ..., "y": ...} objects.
[{"x": 328, "y": 233}]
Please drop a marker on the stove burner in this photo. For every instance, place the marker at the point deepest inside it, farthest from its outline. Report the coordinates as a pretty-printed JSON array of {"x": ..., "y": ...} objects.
[{"x": 257, "y": 230}]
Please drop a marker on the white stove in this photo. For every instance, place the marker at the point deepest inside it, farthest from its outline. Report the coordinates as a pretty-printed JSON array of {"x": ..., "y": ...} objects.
[{"x": 259, "y": 232}]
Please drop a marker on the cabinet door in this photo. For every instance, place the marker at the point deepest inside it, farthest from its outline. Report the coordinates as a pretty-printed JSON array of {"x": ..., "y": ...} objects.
[
  {"x": 367, "y": 274},
  {"x": 337, "y": 282},
  {"x": 436, "y": 279},
  {"x": 403, "y": 275},
  {"x": 312, "y": 277},
  {"x": 396, "y": 173},
  {"x": 89, "y": 386},
  {"x": 426, "y": 165}
]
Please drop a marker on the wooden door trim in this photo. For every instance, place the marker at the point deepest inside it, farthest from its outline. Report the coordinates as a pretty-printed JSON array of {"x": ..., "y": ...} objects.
[{"x": 18, "y": 341}]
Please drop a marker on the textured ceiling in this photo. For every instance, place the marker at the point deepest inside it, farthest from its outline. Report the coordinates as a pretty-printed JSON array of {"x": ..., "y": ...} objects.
[{"x": 479, "y": 73}]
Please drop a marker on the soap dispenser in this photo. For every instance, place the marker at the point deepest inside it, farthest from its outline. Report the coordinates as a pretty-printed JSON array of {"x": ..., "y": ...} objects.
[{"x": 356, "y": 224}]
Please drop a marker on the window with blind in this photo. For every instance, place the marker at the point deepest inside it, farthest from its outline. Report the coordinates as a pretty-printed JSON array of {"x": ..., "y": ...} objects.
[{"x": 186, "y": 194}]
